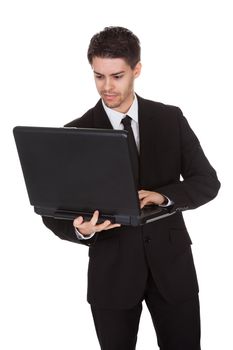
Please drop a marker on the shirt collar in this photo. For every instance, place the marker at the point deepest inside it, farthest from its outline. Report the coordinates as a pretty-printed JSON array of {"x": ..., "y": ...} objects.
[{"x": 116, "y": 117}]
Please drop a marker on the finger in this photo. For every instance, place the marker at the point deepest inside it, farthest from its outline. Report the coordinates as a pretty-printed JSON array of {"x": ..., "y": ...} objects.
[
  {"x": 94, "y": 218},
  {"x": 142, "y": 193},
  {"x": 78, "y": 221},
  {"x": 145, "y": 201},
  {"x": 103, "y": 226},
  {"x": 112, "y": 226}
]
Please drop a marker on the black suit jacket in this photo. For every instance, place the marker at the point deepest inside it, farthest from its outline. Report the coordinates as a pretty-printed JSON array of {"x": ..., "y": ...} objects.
[{"x": 120, "y": 258}]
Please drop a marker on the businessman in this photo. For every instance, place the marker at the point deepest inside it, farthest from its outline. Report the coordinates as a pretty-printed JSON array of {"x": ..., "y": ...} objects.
[{"x": 152, "y": 262}]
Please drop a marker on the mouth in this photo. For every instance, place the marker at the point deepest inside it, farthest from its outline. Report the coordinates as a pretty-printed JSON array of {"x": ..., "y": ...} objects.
[{"x": 109, "y": 96}]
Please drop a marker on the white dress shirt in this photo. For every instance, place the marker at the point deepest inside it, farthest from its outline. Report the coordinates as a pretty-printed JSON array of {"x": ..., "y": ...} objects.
[{"x": 116, "y": 118}]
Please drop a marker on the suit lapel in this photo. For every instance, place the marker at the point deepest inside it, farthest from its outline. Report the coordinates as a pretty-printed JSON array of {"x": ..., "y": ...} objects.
[
  {"x": 100, "y": 118},
  {"x": 149, "y": 139}
]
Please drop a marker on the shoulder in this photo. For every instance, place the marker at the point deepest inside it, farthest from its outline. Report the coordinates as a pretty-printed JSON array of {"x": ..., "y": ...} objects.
[
  {"x": 86, "y": 120},
  {"x": 168, "y": 117},
  {"x": 160, "y": 113},
  {"x": 158, "y": 107}
]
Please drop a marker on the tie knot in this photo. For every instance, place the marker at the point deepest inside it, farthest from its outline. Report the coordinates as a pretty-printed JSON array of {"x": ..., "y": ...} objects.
[{"x": 126, "y": 121}]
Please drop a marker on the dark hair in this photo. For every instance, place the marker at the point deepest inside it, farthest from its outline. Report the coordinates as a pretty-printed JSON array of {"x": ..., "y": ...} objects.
[{"x": 115, "y": 42}]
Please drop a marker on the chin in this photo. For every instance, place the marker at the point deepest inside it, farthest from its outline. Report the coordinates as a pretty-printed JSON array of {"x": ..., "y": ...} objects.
[{"x": 112, "y": 105}]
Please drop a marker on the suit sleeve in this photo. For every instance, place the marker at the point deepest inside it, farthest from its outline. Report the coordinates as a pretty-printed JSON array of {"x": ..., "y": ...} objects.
[
  {"x": 199, "y": 182},
  {"x": 64, "y": 229}
]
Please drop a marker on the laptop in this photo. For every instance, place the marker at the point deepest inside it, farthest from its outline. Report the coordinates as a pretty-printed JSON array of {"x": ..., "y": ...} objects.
[{"x": 74, "y": 171}]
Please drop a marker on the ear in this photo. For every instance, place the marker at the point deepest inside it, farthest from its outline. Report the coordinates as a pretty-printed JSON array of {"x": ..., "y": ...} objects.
[{"x": 137, "y": 69}]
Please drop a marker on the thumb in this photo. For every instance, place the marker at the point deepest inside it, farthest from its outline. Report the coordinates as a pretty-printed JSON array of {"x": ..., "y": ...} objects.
[{"x": 78, "y": 221}]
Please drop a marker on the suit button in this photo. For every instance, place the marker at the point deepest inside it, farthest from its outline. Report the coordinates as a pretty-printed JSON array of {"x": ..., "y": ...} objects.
[{"x": 147, "y": 240}]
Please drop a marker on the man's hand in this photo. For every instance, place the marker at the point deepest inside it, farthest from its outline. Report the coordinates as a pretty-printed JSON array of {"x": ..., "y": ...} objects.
[
  {"x": 149, "y": 197},
  {"x": 86, "y": 228}
]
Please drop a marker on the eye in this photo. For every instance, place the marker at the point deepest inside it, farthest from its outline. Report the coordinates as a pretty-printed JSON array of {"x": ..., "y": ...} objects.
[
  {"x": 99, "y": 77},
  {"x": 118, "y": 76}
]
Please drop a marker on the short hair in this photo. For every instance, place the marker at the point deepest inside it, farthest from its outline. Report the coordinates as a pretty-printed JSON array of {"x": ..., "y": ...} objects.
[{"x": 115, "y": 42}]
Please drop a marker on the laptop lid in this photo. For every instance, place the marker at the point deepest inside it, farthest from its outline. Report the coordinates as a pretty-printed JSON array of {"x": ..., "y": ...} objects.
[{"x": 70, "y": 172}]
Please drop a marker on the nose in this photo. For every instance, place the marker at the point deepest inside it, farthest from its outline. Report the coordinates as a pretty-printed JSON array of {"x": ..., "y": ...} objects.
[{"x": 108, "y": 84}]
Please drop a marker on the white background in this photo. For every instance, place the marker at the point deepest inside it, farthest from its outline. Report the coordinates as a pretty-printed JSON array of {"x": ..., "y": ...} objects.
[{"x": 46, "y": 81}]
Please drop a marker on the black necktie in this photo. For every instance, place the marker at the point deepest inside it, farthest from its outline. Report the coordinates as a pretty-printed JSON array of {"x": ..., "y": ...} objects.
[{"x": 126, "y": 121}]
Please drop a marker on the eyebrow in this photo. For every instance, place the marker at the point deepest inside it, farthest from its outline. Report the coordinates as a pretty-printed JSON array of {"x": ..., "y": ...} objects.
[{"x": 118, "y": 73}]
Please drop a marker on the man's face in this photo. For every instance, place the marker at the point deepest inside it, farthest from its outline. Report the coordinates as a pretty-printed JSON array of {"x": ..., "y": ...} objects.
[{"x": 114, "y": 80}]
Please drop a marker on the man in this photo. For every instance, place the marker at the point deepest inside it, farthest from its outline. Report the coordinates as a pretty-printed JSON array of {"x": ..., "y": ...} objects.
[{"x": 151, "y": 262}]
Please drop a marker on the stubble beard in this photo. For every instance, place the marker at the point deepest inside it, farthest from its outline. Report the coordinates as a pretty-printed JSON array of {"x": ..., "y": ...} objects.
[
  {"x": 118, "y": 103},
  {"x": 113, "y": 104}
]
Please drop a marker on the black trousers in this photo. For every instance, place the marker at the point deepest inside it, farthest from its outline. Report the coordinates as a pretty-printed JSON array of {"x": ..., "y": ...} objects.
[{"x": 177, "y": 326}]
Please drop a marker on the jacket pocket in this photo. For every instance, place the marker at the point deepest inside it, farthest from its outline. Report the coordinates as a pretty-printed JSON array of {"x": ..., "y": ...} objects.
[{"x": 179, "y": 241}]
